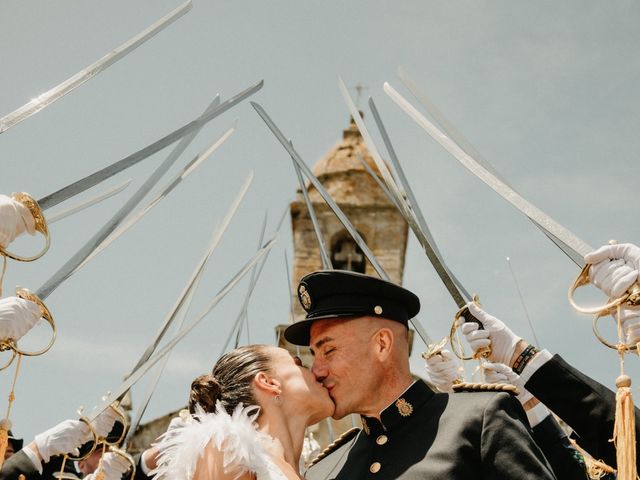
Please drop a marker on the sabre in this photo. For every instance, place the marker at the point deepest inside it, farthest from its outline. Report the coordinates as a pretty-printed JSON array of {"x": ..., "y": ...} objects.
[
  {"x": 459, "y": 295},
  {"x": 184, "y": 304},
  {"x": 47, "y": 98},
  {"x": 324, "y": 255},
  {"x": 139, "y": 372},
  {"x": 252, "y": 283},
  {"x": 182, "y": 175},
  {"x": 417, "y": 221},
  {"x": 68, "y": 268},
  {"x": 107, "y": 172},
  {"x": 252, "y": 286},
  {"x": 454, "y": 134},
  {"x": 334, "y": 207},
  {"x": 92, "y": 201},
  {"x": 217, "y": 235},
  {"x": 573, "y": 243}
]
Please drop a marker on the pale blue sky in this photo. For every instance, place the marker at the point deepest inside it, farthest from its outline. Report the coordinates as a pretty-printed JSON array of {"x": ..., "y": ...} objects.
[{"x": 547, "y": 91}]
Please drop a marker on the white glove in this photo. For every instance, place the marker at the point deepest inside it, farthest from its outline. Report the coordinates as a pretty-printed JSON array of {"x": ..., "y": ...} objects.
[
  {"x": 65, "y": 437},
  {"x": 443, "y": 370},
  {"x": 630, "y": 319},
  {"x": 500, "y": 373},
  {"x": 495, "y": 334},
  {"x": 103, "y": 424},
  {"x": 17, "y": 316},
  {"x": 15, "y": 219},
  {"x": 614, "y": 268},
  {"x": 113, "y": 467}
]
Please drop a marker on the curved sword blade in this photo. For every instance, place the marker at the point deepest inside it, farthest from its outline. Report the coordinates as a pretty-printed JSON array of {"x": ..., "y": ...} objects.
[
  {"x": 570, "y": 240},
  {"x": 88, "y": 203},
  {"x": 68, "y": 268},
  {"x": 144, "y": 368},
  {"x": 444, "y": 274},
  {"x": 334, "y": 207},
  {"x": 184, "y": 304},
  {"x": 47, "y": 98},
  {"x": 186, "y": 171}
]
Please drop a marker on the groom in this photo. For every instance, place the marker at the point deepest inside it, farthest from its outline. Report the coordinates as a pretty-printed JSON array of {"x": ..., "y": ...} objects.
[{"x": 357, "y": 329}]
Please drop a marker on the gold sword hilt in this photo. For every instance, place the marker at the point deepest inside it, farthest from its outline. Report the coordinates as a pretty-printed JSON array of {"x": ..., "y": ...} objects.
[
  {"x": 630, "y": 297},
  {"x": 456, "y": 347},
  {"x": 11, "y": 344},
  {"x": 40, "y": 226}
]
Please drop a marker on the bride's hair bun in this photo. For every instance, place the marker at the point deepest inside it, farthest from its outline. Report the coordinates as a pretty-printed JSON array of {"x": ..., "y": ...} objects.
[{"x": 205, "y": 391}]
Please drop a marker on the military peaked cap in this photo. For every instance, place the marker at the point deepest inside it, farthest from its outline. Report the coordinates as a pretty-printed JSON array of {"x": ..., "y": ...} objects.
[{"x": 338, "y": 293}]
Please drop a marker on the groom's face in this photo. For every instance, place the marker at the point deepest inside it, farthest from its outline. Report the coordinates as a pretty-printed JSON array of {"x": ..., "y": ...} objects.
[{"x": 344, "y": 363}]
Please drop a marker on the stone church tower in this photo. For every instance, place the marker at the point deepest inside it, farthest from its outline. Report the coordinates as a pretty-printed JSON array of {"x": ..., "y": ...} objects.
[{"x": 374, "y": 216}]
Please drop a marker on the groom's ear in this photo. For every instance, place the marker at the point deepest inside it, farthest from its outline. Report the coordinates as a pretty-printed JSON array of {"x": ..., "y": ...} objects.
[{"x": 268, "y": 384}]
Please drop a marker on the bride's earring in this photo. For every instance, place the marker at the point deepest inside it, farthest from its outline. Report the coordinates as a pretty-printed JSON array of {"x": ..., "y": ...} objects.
[{"x": 278, "y": 399}]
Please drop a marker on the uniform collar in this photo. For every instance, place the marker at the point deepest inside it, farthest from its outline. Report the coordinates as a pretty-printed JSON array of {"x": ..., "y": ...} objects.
[{"x": 400, "y": 410}]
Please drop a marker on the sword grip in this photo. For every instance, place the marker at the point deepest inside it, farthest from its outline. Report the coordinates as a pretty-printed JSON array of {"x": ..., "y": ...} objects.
[
  {"x": 465, "y": 314},
  {"x": 468, "y": 317}
]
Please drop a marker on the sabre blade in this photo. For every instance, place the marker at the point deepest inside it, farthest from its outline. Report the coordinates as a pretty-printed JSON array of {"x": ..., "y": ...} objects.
[
  {"x": 138, "y": 373},
  {"x": 334, "y": 207},
  {"x": 215, "y": 240},
  {"x": 324, "y": 255},
  {"x": 578, "y": 247},
  {"x": 109, "y": 171},
  {"x": 68, "y": 268},
  {"x": 458, "y": 297},
  {"x": 186, "y": 171},
  {"x": 92, "y": 201},
  {"x": 47, "y": 98}
]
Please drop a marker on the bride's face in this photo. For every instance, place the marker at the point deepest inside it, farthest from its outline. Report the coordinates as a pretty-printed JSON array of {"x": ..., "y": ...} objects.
[{"x": 300, "y": 389}]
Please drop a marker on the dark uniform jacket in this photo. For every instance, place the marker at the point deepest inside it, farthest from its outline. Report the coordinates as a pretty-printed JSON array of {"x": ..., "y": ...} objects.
[
  {"x": 587, "y": 406},
  {"x": 427, "y": 435},
  {"x": 567, "y": 463},
  {"x": 20, "y": 464}
]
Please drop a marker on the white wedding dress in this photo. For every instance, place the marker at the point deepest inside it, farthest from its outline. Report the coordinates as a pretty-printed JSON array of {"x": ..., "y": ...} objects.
[{"x": 242, "y": 445}]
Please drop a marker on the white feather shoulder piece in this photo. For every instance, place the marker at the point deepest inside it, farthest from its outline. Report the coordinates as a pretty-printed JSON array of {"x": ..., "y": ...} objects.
[{"x": 235, "y": 436}]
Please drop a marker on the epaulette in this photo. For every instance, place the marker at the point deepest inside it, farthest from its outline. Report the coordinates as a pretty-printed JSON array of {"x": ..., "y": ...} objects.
[
  {"x": 485, "y": 387},
  {"x": 332, "y": 447}
]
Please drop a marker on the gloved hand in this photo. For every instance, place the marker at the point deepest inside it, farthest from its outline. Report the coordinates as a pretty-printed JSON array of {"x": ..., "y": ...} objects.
[
  {"x": 113, "y": 467},
  {"x": 103, "y": 424},
  {"x": 500, "y": 373},
  {"x": 66, "y": 437},
  {"x": 495, "y": 334},
  {"x": 15, "y": 219},
  {"x": 443, "y": 370},
  {"x": 630, "y": 319},
  {"x": 17, "y": 316},
  {"x": 614, "y": 268}
]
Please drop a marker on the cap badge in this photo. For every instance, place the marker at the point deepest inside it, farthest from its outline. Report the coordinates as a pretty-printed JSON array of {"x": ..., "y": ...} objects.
[
  {"x": 377, "y": 309},
  {"x": 404, "y": 407},
  {"x": 305, "y": 298}
]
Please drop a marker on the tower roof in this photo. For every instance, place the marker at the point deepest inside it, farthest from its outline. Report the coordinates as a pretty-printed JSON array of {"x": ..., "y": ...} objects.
[{"x": 342, "y": 158}]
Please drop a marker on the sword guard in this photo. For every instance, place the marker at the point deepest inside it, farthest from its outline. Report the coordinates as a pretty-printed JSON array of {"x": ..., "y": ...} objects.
[
  {"x": 40, "y": 224},
  {"x": 630, "y": 297},
  {"x": 465, "y": 314},
  {"x": 601, "y": 339},
  {"x": 44, "y": 313},
  {"x": 128, "y": 457},
  {"x": 125, "y": 425}
]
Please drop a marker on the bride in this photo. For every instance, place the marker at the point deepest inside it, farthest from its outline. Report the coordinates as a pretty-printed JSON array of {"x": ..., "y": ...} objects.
[{"x": 248, "y": 419}]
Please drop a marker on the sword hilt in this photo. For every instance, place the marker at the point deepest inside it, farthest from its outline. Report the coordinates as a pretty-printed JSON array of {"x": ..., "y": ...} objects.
[
  {"x": 465, "y": 314},
  {"x": 630, "y": 297},
  {"x": 40, "y": 226}
]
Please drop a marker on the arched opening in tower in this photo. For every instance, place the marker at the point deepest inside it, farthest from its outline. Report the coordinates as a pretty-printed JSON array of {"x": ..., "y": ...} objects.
[{"x": 346, "y": 254}]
